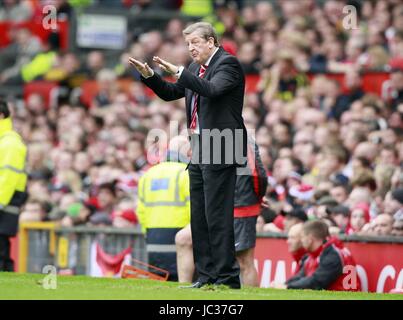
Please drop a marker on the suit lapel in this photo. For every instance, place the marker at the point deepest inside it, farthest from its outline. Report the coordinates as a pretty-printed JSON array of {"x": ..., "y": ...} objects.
[
  {"x": 195, "y": 70},
  {"x": 218, "y": 54}
]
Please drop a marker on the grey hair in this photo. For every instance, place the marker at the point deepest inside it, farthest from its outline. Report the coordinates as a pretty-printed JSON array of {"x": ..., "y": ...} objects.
[{"x": 205, "y": 30}]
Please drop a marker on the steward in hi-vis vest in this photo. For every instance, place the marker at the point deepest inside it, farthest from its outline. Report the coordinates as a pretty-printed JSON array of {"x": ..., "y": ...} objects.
[
  {"x": 13, "y": 180},
  {"x": 163, "y": 209}
]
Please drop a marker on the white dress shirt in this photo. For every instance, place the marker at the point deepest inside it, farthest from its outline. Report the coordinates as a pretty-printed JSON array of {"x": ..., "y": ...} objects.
[{"x": 178, "y": 75}]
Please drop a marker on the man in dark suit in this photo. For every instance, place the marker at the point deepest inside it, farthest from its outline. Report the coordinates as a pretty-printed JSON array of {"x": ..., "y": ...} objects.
[{"x": 213, "y": 86}]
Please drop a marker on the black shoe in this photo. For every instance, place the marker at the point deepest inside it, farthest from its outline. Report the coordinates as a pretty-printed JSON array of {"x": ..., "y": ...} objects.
[{"x": 194, "y": 285}]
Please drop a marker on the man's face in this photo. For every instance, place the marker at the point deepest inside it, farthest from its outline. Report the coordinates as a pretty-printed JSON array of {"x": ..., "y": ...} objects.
[
  {"x": 340, "y": 219},
  {"x": 359, "y": 194},
  {"x": 339, "y": 194},
  {"x": 105, "y": 198},
  {"x": 387, "y": 157},
  {"x": 307, "y": 241},
  {"x": 391, "y": 204},
  {"x": 282, "y": 168},
  {"x": 294, "y": 239},
  {"x": 398, "y": 228},
  {"x": 199, "y": 48},
  {"x": 383, "y": 225},
  {"x": 397, "y": 79},
  {"x": 33, "y": 212},
  {"x": 289, "y": 222}
]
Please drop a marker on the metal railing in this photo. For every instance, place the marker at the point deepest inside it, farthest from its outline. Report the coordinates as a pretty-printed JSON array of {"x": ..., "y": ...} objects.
[{"x": 70, "y": 249}]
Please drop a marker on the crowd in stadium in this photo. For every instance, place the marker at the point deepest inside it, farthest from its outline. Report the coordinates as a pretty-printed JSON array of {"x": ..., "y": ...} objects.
[{"x": 330, "y": 153}]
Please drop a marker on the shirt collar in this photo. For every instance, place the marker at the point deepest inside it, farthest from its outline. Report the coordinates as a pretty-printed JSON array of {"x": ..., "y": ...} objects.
[
  {"x": 317, "y": 252},
  {"x": 209, "y": 59},
  {"x": 6, "y": 125}
]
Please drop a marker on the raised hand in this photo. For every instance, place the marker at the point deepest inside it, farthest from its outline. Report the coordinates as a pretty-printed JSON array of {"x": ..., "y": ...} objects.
[
  {"x": 165, "y": 65},
  {"x": 143, "y": 68}
]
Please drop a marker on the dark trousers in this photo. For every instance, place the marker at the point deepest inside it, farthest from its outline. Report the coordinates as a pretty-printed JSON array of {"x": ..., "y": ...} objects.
[
  {"x": 212, "y": 223},
  {"x": 166, "y": 259},
  {"x": 6, "y": 264}
]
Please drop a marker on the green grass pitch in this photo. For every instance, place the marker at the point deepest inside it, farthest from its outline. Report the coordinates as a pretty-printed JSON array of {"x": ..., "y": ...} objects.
[{"x": 30, "y": 286}]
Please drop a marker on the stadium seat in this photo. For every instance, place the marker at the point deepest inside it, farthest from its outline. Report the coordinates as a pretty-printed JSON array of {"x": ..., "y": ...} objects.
[{"x": 48, "y": 90}]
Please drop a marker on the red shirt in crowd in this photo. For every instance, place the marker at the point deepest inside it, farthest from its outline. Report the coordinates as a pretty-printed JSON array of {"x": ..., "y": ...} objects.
[{"x": 323, "y": 269}]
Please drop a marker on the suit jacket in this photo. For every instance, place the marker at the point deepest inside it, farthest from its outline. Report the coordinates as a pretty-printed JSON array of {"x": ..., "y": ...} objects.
[{"x": 221, "y": 96}]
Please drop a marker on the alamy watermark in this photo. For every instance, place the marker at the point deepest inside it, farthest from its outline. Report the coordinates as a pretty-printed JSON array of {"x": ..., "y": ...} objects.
[
  {"x": 350, "y": 280},
  {"x": 208, "y": 147},
  {"x": 50, "y": 280},
  {"x": 350, "y": 20},
  {"x": 49, "y": 21}
]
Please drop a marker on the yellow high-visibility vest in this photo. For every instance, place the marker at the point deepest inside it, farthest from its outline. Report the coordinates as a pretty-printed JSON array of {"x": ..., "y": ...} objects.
[
  {"x": 13, "y": 154},
  {"x": 41, "y": 64},
  {"x": 163, "y": 197},
  {"x": 197, "y": 8}
]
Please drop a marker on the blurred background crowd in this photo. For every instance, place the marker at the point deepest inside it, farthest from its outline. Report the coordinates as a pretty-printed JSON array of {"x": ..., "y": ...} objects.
[{"x": 331, "y": 152}]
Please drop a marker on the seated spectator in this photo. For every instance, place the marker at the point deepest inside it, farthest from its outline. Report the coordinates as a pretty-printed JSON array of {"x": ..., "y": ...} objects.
[
  {"x": 106, "y": 199},
  {"x": 266, "y": 216},
  {"x": 393, "y": 201},
  {"x": 64, "y": 69},
  {"x": 394, "y": 93},
  {"x": 322, "y": 267},
  {"x": 381, "y": 225},
  {"x": 61, "y": 198},
  {"x": 335, "y": 103},
  {"x": 340, "y": 215},
  {"x": 357, "y": 195},
  {"x": 106, "y": 80},
  {"x": 364, "y": 178},
  {"x": 295, "y": 245},
  {"x": 95, "y": 62},
  {"x": 398, "y": 224},
  {"x": 34, "y": 210},
  {"x": 383, "y": 176},
  {"x": 41, "y": 63},
  {"x": 324, "y": 206},
  {"x": 124, "y": 215},
  {"x": 339, "y": 192},
  {"x": 248, "y": 58},
  {"x": 294, "y": 217},
  {"x": 284, "y": 79},
  {"x": 332, "y": 163},
  {"x": 16, "y": 11},
  {"x": 77, "y": 214},
  {"x": 14, "y": 56},
  {"x": 353, "y": 82},
  {"x": 359, "y": 217}
]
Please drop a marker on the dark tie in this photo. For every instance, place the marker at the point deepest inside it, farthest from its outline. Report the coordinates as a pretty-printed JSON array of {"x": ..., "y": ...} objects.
[{"x": 196, "y": 98}]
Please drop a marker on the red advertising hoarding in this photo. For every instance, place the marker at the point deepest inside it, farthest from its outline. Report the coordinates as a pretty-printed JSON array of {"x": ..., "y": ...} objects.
[{"x": 379, "y": 265}]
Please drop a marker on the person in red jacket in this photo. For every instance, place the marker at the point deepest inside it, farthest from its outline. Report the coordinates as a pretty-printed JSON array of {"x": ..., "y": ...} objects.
[
  {"x": 295, "y": 247},
  {"x": 323, "y": 266}
]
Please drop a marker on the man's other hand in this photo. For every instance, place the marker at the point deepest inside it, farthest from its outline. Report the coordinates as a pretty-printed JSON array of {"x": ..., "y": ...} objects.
[
  {"x": 143, "y": 68},
  {"x": 166, "y": 66}
]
